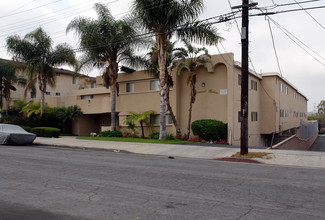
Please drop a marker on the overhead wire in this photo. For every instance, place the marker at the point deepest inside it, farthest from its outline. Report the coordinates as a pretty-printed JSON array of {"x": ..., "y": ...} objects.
[
  {"x": 310, "y": 15},
  {"x": 274, "y": 48},
  {"x": 4, "y": 16},
  {"x": 20, "y": 7}
]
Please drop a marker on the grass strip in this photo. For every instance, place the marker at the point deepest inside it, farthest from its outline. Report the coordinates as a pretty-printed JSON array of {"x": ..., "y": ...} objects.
[{"x": 136, "y": 140}]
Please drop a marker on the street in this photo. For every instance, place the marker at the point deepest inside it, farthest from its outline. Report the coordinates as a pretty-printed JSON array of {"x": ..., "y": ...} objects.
[
  {"x": 51, "y": 183},
  {"x": 319, "y": 144}
]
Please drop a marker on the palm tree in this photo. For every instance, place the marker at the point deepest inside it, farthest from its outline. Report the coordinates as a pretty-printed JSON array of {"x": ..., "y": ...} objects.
[
  {"x": 191, "y": 59},
  {"x": 36, "y": 50},
  {"x": 106, "y": 42},
  {"x": 154, "y": 70},
  {"x": 69, "y": 114},
  {"x": 8, "y": 79},
  {"x": 167, "y": 18},
  {"x": 139, "y": 117}
]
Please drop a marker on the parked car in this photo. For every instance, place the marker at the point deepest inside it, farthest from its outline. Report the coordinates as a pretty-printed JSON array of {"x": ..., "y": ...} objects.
[{"x": 14, "y": 134}]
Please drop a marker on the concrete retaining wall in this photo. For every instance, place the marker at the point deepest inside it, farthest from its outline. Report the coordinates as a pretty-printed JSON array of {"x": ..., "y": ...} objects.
[{"x": 296, "y": 143}]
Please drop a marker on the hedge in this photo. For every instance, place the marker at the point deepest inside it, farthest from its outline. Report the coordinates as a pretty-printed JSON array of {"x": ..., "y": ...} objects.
[
  {"x": 209, "y": 130},
  {"x": 110, "y": 134},
  {"x": 46, "y": 131}
]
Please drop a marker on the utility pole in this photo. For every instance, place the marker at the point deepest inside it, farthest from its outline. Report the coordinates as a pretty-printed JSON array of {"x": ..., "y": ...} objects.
[{"x": 244, "y": 79}]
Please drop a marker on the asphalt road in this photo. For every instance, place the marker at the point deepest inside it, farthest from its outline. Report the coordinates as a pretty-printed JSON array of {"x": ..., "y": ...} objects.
[
  {"x": 43, "y": 183},
  {"x": 319, "y": 144}
]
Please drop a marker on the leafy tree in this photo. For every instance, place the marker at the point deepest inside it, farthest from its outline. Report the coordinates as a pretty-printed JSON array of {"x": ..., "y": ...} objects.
[
  {"x": 106, "y": 42},
  {"x": 32, "y": 109},
  {"x": 36, "y": 50},
  {"x": 138, "y": 117},
  {"x": 167, "y": 18},
  {"x": 191, "y": 59},
  {"x": 8, "y": 79},
  {"x": 321, "y": 107}
]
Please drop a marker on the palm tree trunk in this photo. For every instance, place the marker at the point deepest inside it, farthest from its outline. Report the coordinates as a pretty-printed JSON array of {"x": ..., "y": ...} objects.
[
  {"x": 113, "y": 107},
  {"x": 7, "y": 106},
  {"x": 162, "y": 48},
  {"x": 141, "y": 124},
  {"x": 42, "y": 87},
  {"x": 190, "y": 112},
  {"x": 170, "y": 110}
]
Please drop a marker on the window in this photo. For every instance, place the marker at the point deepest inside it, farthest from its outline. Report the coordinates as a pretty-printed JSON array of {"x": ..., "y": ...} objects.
[
  {"x": 239, "y": 116},
  {"x": 286, "y": 113},
  {"x": 57, "y": 94},
  {"x": 281, "y": 113},
  {"x": 276, "y": 81},
  {"x": 75, "y": 80},
  {"x": 239, "y": 79},
  {"x": 129, "y": 87},
  {"x": 253, "y": 85},
  {"x": 155, "y": 119},
  {"x": 253, "y": 116},
  {"x": 93, "y": 85},
  {"x": 281, "y": 87},
  {"x": 154, "y": 85},
  {"x": 287, "y": 90},
  {"x": 47, "y": 93},
  {"x": 32, "y": 94},
  {"x": 86, "y": 96}
]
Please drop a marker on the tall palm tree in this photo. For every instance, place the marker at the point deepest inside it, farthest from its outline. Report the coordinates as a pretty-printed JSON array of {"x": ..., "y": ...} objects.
[
  {"x": 167, "y": 18},
  {"x": 106, "y": 43},
  {"x": 153, "y": 68},
  {"x": 191, "y": 59},
  {"x": 35, "y": 49},
  {"x": 8, "y": 79}
]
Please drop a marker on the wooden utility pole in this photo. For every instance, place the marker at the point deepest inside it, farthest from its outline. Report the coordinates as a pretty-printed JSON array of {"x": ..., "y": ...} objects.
[{"x": 244, "y": 80}]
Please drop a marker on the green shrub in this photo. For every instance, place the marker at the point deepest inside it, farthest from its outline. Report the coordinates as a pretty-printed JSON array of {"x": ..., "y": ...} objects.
[
  {"x": 170, "y": 137},
  {"x": 154, "y": 135},
  {"x": 209, "y": 130},
  {"x": 110, "y": 134},
  {"x": 26, "y": 128},
  {"x": 46, "y": 131}
]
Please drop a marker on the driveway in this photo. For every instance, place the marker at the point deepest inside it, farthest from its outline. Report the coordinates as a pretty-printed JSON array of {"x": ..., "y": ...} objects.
[{"x": 319, "y": 144}]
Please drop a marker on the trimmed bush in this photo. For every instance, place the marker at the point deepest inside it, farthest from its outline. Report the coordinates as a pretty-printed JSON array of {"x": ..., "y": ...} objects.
[
  {"x": 154, "y": 135},
  {"x": 170, "y": 137},
  {"x": 110, "y": 134},
  {"x": 46, "y": 131},
  {"x": 26, "y": 128},
  {"x": 209, "y": 130}
]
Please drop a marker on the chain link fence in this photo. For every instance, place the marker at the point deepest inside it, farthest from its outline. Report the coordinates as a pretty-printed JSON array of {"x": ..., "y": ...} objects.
[{"x": 308, "y": 129}]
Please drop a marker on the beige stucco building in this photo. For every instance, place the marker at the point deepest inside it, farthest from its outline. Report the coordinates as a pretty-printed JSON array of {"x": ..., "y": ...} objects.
[{"x": 275, "y": 106}]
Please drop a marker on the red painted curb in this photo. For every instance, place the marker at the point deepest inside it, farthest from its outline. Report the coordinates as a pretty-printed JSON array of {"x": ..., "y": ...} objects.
[{"x": 234, "y": 159}]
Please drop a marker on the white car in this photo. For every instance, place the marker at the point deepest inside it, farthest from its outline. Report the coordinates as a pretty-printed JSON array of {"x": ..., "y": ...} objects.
[{"x": 14, "y": 134}]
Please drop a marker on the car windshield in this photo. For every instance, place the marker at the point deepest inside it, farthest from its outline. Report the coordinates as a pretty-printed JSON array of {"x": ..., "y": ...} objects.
[{"x": 11, "y": 128}]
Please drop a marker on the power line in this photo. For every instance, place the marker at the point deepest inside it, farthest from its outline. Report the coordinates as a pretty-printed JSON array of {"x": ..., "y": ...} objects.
[
  {"x": 292, "y": 37},
  {"x": 19, "y": 7},
  {"x": 310, "y": 15},
  {"x": 29, "y": 9},
  {"x": 273, "y": 43},
  {"x": 286, "y": 11}
]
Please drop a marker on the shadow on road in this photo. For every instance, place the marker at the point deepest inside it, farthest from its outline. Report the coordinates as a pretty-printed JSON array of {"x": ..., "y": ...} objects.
[
  {"x": 319, "y": 144},
  {"x": 20, "y": 212}
]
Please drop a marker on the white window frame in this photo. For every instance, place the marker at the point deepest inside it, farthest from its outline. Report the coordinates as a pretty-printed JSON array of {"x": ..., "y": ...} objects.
[
  {"x": 154, "y": 85},
  {"x": 129, "y": 87}
]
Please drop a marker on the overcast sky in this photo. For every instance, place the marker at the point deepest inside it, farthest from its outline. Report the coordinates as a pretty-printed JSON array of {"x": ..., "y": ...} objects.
[{"x": 300, "y": 68}]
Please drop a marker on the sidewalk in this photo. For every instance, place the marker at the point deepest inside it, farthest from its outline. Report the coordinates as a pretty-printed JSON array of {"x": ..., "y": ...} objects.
[{"x": 279, "y": 157}]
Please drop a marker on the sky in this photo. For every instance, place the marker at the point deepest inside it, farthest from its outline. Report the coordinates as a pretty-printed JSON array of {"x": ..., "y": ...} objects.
[{"x": 305, "y": 70}]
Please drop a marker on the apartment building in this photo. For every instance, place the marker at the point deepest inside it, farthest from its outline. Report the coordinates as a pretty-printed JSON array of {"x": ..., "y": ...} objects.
[{"x": 275, "y": 105}]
